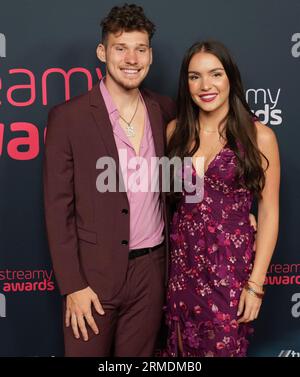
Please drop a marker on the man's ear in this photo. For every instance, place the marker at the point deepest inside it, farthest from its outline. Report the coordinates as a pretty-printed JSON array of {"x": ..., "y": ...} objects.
[
  {"x": 101, "y": 53},
  {"x": 151, "y": 55}
]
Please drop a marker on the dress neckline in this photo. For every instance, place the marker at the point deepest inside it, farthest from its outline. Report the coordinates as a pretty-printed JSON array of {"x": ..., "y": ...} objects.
[{"x": 211, "y": 161}]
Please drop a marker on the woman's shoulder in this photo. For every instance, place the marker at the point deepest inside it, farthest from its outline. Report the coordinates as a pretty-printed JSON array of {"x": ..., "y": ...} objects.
[
  {"x": 265, "y": 134},
  {"x": 171, "y": 128}
]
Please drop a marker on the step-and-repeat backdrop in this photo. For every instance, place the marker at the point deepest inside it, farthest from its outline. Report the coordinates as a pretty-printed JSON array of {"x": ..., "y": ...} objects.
[{"x": 47, "y": 55}]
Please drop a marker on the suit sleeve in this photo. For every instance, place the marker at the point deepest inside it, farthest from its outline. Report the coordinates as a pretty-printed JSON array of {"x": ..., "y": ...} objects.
[
  {"x": 168, "y": 108},
  {"x": 59, "y": 202}
]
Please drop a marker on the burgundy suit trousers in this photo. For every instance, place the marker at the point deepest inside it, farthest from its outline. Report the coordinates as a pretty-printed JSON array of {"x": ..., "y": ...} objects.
[{"x": 132, "y": 318}]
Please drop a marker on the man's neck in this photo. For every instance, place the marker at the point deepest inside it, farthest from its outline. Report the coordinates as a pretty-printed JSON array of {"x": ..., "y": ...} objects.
[{"x": 122, "y": 97}]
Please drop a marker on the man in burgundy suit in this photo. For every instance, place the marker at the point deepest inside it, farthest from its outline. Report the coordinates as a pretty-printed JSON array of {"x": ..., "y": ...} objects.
[{"x": 109, "y": 248}]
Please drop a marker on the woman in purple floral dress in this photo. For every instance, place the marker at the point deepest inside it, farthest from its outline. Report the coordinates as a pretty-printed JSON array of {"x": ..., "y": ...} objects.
[{"x": 216, "y": 280}]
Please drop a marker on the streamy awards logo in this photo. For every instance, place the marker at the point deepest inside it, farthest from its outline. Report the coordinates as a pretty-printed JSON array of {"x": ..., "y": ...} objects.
[
  {"x": 12, "y": 281},
  {"x": 20, "y": 81},
  {"x": 265, "y": 103},
  {"x": 287, "y": 274}
]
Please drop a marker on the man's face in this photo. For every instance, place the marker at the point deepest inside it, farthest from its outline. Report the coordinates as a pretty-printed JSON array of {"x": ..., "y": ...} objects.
[{"x": 127, "y": 56}]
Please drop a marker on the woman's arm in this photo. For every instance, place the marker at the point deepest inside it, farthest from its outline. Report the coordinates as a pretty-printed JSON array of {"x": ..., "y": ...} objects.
[
  {"x": 268, "y": 206},
  {"x": 267, "y": 227}
]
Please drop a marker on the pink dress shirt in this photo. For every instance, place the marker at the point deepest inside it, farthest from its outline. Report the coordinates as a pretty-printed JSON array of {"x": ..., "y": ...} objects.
[{"x": 146, "y": 219}]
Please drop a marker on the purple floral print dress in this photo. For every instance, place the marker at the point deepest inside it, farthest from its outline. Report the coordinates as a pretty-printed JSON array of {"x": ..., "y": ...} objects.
[{"x": 211, "y": 259}]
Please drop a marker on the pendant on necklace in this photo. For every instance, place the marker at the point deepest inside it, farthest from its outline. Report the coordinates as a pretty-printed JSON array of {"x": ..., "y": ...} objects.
[{"x": 130, "y": 131}]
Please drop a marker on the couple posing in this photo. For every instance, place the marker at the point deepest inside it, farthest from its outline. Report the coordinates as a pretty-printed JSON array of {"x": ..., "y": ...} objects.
[{"x": 118, "y": 263}]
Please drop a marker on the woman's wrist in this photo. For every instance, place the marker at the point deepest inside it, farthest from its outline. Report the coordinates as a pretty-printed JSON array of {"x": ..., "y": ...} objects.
[
  {"x": 256, "y": 287},
  {"x": 257, "y": 279},
  {"x": 255, "y": 283},
  {"x": 253, "y": 290}
]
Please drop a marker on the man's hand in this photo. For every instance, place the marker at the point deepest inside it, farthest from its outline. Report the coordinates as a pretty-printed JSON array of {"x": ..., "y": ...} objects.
[{"x": 79, "y": 310}]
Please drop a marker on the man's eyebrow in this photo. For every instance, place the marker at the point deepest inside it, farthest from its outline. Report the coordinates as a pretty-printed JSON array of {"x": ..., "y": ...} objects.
[{"x": 125, "y": 44}]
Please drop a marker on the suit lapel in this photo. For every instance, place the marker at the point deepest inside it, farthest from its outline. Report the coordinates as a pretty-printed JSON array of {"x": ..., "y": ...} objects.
[
  {"x": 102, "y": 120},
  {"x": 155, "y": 118},
  {"x": 157, "y": 128},
  {"x": 101, "y": 117}
]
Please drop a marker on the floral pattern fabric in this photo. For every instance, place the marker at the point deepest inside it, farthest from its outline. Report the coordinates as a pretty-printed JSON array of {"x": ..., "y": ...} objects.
[{"x": 211, "y": 259}]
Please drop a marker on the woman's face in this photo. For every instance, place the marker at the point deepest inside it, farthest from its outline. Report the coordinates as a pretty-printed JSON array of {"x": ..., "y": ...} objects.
[{"x": 208, "y": 83}]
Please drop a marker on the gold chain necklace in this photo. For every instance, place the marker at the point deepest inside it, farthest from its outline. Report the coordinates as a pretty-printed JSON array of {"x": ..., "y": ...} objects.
[{"x": 130, "y": 131}]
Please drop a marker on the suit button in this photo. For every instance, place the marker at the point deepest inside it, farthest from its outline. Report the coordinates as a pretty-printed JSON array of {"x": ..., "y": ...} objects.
[
  {"x": 124, "y": 242},
  {"x": 125, "y": 211}
]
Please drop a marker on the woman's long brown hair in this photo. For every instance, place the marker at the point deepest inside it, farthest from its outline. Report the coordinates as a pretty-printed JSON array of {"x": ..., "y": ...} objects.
[{"x": 239, "y": 129}]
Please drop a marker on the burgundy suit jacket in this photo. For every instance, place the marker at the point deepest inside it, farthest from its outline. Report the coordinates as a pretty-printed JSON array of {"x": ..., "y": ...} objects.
[{"x": 88, "y": 231}]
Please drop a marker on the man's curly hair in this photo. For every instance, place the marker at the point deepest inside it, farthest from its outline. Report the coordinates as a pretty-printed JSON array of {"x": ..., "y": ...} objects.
[{"x": 129, "y": 17}]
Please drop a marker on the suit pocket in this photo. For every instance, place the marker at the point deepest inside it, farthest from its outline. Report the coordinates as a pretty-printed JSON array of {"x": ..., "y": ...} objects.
[{"x": 86, "y": 235}]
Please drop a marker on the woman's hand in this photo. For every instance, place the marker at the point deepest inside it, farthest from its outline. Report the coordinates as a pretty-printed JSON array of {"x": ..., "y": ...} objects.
[{"x": 249, "y": 304}]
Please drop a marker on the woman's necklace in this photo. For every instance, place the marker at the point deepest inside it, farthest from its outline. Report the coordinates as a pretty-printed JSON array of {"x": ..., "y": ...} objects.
[
  {"x": 208, "y": 131},
  {"x": 130, "y": 131}
]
